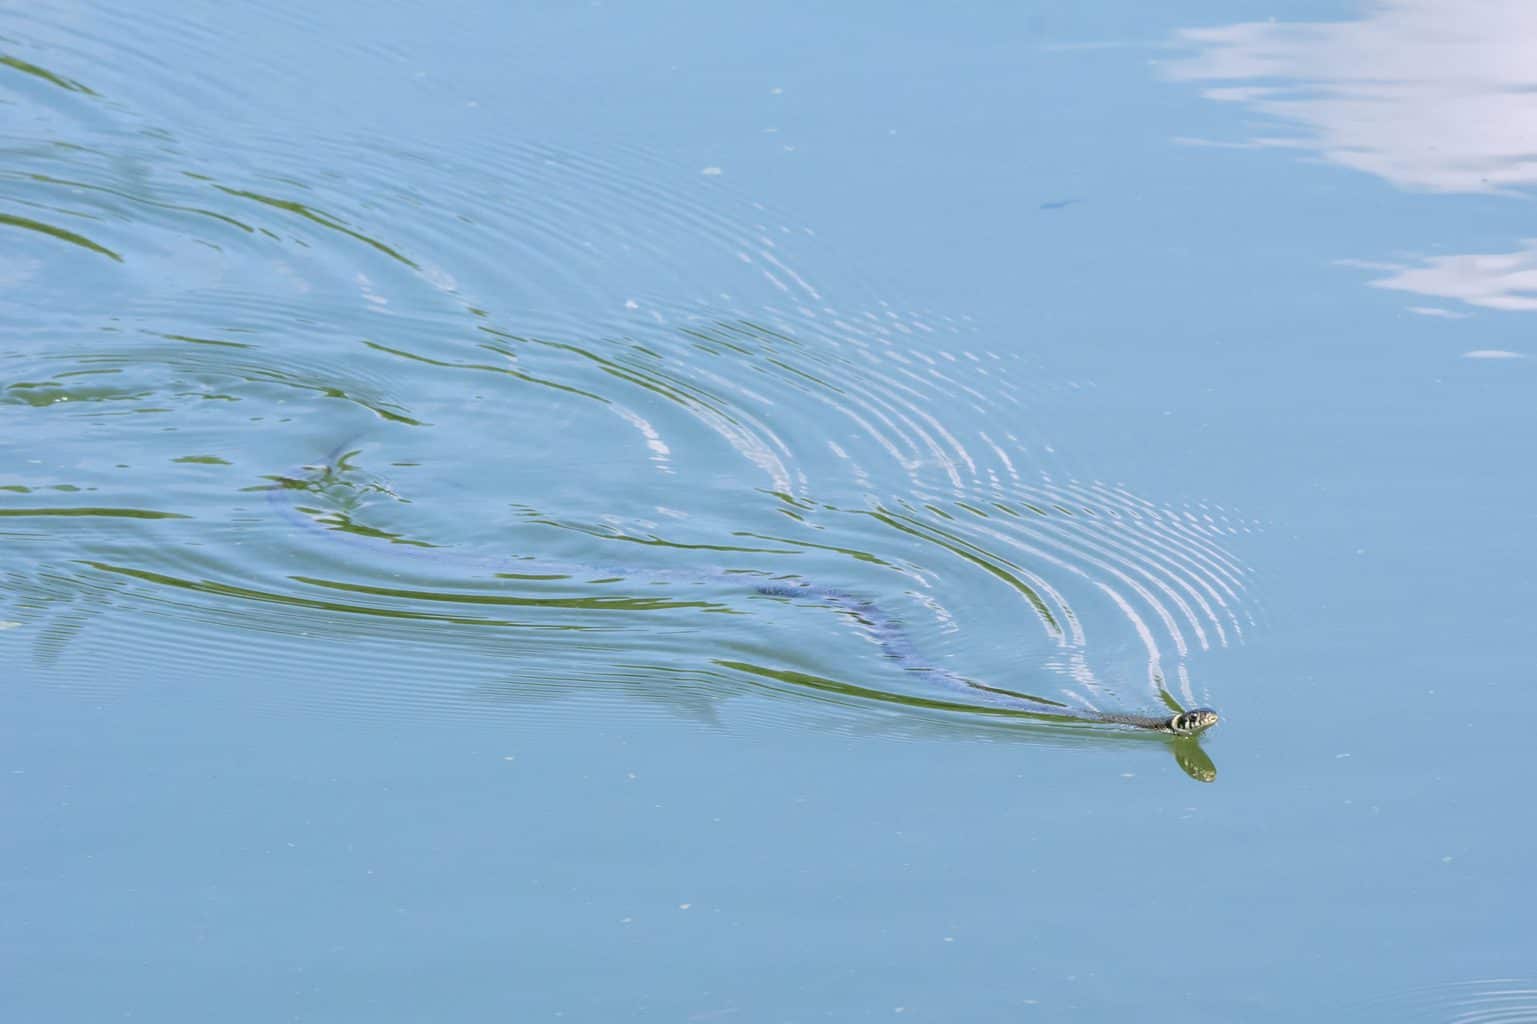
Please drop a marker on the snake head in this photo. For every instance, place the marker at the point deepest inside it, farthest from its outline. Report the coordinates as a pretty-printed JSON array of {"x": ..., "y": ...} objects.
[{"x": 1188, "y": 723}]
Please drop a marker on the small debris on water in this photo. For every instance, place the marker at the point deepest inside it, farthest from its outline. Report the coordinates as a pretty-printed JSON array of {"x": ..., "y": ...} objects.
[{"x": 9, "y": 625}]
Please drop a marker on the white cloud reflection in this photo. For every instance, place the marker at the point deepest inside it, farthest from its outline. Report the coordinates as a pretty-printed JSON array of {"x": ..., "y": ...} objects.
[
  {"x": 1439, "y": 95},
  {"x": 1430, "y": 95},
  {"x": 1503, "y": 280},
  {"x": 1436, "y": 311}
]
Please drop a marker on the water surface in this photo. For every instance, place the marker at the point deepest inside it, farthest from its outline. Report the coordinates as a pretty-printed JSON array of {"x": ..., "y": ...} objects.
[{"x": 582, "y": 514}]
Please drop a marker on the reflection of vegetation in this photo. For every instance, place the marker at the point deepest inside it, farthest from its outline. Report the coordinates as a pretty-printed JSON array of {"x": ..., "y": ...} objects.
[
  {"x": 679, "y": 391},
  {"x": 119, "y": 513},
  {"x": 293, "y": 600},
  {"x": 209, "y": 361},
  {"x": 205, "y": 341},
  {"x": 345, "y": 497},
  {"x": 59, "y": 233},
  {"x": 257, "y": 375},
  {"x": 325, "y": 220},
  {"x": 485, "y": 367},
  {"x": 811, "y": 682},
  {"x": 46, "y": 392},
  {"x": 48, "y": 76},
  {"x": 625, "y": 604},
  {"x": 957, "y": 545},
  {"x": 77, "y": 186},
  {"x": 654, "y": 541},
  {"x": 854, "y": 553},
  {"x": 345, "y": 523}
]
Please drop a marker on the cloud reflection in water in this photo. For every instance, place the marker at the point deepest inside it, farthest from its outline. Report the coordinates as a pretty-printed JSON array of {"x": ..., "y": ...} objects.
[
  {"x": 1439, "y": 95},
  {"x": 1431, "y": 95}
]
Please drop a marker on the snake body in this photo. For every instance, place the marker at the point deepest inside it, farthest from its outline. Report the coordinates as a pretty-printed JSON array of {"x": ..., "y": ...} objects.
[
  {"x": 896, "y": 645},
  {"x": 884, "y": 628}
]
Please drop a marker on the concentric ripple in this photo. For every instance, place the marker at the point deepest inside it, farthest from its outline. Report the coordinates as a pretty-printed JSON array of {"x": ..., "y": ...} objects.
[
  {"x": 1482, "y": 1001},
  {"x": 523, "y": 426}
]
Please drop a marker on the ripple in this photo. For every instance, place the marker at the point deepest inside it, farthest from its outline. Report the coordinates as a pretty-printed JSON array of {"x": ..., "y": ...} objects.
[
  {"x": 1483, "y": 1001},
  {"x": 599, "y": 435}
]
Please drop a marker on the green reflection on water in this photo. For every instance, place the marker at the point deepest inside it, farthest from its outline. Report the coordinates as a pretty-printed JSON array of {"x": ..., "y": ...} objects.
[
  {"x": 507, "y": 370},
  {"x": 48, "y": 76},
  {"x": 958, "y": 546},
  {"x": 59, "y": 233},
  {"x": 118, "y": 513},
  {"x": 808, "y": 681},
  {"x": 205, "y": 341},
  {"x": 628, "y": 604},
  {"x": 323, "y": 219},
  {"x": 48, "y": 179},
  {"x": 293, "y": 600}
]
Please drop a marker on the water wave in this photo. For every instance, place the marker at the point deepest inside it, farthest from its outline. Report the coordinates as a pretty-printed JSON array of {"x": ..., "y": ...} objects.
[
  {"x": 598, "y": 428},
  {"x": 1480, "y": 1001}
]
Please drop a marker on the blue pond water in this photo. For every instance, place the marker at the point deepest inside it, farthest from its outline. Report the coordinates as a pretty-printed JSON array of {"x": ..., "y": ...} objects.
[{"x": 419, "y": 426}]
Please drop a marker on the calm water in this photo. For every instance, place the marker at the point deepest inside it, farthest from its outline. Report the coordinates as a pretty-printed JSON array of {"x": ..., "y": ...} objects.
[{"x": 639, "y": 512}]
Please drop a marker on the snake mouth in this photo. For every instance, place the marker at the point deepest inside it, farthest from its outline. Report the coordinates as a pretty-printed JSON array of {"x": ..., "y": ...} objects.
[{"x": 1188, "y": 723}]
